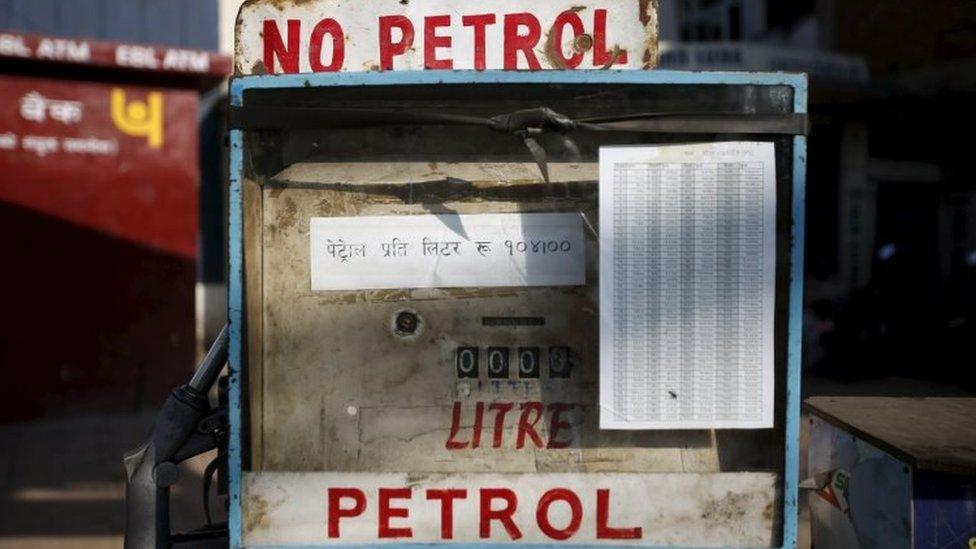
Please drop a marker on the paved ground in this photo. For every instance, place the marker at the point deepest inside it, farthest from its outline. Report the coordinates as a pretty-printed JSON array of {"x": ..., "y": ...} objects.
[{"x": 61, "y": 481}]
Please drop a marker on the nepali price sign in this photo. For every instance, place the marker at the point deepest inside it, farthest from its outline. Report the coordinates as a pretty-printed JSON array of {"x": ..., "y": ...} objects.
[{"x": 291, "y": 36}]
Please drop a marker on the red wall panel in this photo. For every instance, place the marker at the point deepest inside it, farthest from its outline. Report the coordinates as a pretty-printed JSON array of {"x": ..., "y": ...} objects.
[{"x": 98, "y": 212}]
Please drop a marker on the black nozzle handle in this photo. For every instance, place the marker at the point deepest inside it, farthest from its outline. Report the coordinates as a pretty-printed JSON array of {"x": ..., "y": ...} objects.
[{"x": 206, "y": 374}]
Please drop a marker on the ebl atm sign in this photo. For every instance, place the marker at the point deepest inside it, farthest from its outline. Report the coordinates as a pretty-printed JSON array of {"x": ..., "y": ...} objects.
[{"x": 497, "y": 509}]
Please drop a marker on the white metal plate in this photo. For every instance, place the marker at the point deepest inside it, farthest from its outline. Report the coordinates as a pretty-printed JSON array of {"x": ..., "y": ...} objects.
[
  {"x": 291, "y": 36},
  {"x": 725, "y": 509}
]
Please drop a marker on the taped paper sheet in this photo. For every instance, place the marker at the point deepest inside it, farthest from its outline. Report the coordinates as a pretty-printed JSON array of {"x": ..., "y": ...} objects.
[
  {"x": 687, "y": 286},
  {"x": 447, "y": 251}
]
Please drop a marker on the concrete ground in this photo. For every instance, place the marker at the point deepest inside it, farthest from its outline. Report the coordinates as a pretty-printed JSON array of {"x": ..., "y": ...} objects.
[{"x": 62, "y": 483}]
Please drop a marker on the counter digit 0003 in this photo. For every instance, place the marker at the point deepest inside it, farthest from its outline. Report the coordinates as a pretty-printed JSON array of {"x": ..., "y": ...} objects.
[{"x": 415, "y": 283}]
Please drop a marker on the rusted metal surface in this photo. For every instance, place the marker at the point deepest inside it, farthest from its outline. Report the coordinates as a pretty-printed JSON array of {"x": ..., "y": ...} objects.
[{"x": 290, "y": 36}]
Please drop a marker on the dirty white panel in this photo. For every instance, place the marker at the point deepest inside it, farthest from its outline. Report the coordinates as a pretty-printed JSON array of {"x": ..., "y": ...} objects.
[
  {"x": 350, "y": 394},
  {"x": 446, "y": 251},
  {"x": 344, "y": 389},
  {"x": 714, "y": 510}
]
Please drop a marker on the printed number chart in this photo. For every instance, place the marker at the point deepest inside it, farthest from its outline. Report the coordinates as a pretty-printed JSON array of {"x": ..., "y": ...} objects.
[{"x": 687, "y": 286}]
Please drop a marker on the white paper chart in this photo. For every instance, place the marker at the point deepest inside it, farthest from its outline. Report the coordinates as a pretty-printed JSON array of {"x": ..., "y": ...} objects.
[{"x": 687, "y": 286}]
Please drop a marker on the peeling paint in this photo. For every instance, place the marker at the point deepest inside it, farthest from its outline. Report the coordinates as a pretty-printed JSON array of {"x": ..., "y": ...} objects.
[
  {"x": 552, "y": 50},
  {"x": 615, "y": 52},
  {"x": 256, "y": 513},
  {"x": 286, "y": 217}
]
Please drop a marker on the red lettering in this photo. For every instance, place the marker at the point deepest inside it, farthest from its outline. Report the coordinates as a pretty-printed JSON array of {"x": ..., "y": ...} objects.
[
  {"x": 516, "y": 42},
  {"x": 502, "y": 515},
  {"x": 447, "y": 498},
  {"x": 389, "y": 48},
  {"x": 601, "y": 57},
  {"x": 386, "y": 513},
  {"x": 603, "y": 517},
  {"x": 572, "y": 19},
  {"x": 336, "y": 510},
  {"x": 274, "y": 46},
  {"x": 333, "y": 29},
  {"x": 556, "y": 424},
  {"x": 527, "y": 427},
  {"x": 503, "y": 408},
  {"x": 479, "y": 416},
  {"x": 455, "y": 428},
  {"x": 575, "y": 508},
  {"x": 479, "y": 23},
  {"x": 432, "y": 42}
]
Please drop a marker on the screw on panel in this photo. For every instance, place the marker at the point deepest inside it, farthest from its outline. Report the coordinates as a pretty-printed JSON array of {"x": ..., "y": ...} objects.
[{"x": 407, "y": 324}]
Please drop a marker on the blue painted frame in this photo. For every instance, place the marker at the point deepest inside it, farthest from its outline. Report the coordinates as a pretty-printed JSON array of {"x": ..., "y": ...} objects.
[{"x": 660, "y": 77}]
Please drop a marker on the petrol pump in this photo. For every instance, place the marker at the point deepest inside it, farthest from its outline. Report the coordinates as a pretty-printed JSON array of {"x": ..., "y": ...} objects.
[{"x": 427, "y": 344}]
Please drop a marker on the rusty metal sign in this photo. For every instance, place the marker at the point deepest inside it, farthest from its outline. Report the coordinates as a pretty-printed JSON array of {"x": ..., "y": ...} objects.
[{"x": 300, "y": 36}]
